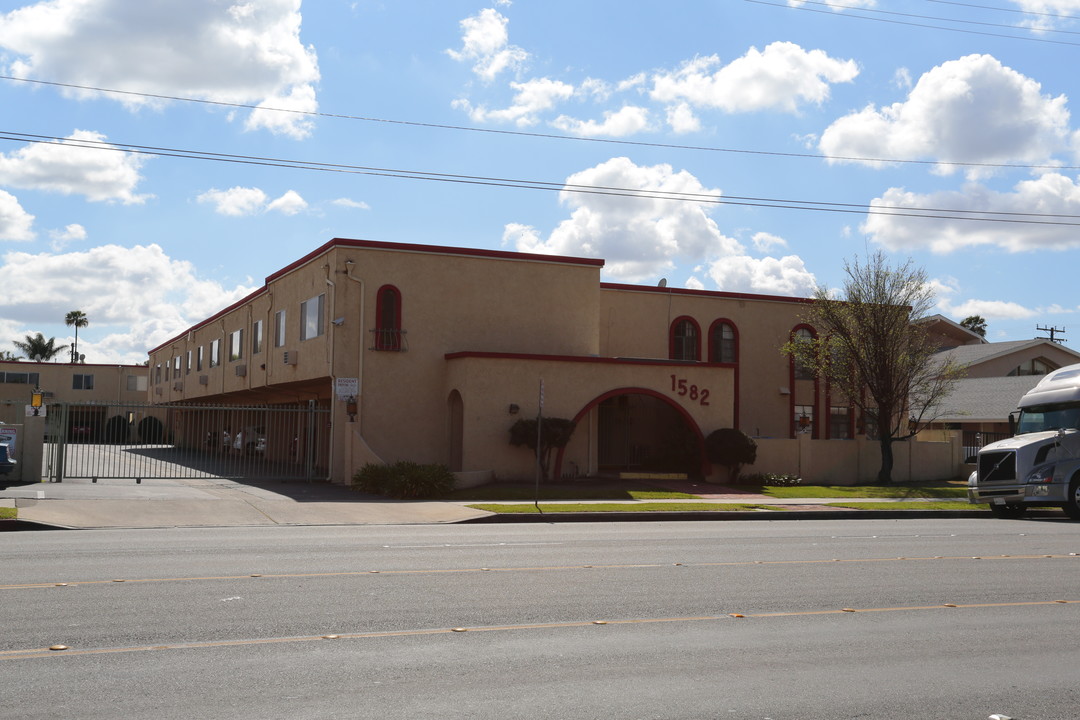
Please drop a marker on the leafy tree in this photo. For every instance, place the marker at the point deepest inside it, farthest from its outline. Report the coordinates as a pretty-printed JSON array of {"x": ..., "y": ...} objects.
[
  {"x": 554, "y": 433},
  {"x": 976, "y": 324},
  {"x": 76, "y": 319},
  {"x": 871, "y": 349},
  {"x": 731, "y": 448},
  {"x": 8, "y": 355},
  {"x": 36, "y": 346}
]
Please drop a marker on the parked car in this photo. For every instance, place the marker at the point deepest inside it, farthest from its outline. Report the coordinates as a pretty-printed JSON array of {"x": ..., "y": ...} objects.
[{"x": 7, "y": 463}]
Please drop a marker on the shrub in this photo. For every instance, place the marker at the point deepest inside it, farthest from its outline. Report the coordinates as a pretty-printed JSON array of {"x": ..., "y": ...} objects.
[
  {"x": 116, "y": 429},
  {"x": 151, "y": 430},
  {"x": 405, "y": 480},
  {"x": 731, "y": 448},
  {"x": 772, "y": 480}
]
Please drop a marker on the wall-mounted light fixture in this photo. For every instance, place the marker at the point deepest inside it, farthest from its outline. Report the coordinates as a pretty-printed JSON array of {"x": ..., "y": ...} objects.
[{"x": 514, "y": 409}]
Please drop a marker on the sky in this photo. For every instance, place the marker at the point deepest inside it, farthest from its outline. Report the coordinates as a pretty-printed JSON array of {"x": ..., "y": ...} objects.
[{"x": 158, "y": 159}]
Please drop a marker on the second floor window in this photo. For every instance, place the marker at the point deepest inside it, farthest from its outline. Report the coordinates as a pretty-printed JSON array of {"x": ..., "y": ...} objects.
[
  {"x": 802, "y": 371},
  {"x": 312, "y": 322},
  {"x": 256, "y": 337},
  {"x": 722, "y": 345},
  {"x": 215, "y": 353},
  {"x": 685, "y": 340},
  {"x": 236, "y": 345},
  {"x": 82, "y": 382},
  {"x": 388, "y": 319},
  {"x": 279, "y": 328}
]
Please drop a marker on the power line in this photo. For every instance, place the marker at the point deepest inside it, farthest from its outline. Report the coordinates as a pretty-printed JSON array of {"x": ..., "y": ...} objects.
[
  {"x": 854, "y": 16},
  {"x": 1006, "y": 10},
  {"x": 705, "y": 198},
  {"x": 933, "y": 17},
  {"x": 543, "y": 136}
]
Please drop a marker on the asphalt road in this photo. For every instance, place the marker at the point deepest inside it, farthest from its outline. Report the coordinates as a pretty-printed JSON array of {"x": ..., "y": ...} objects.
[{"x": 845, "y": 619}]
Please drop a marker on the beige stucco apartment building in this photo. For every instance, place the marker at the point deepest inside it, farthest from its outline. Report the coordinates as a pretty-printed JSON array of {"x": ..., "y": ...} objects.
[
  {"x": 430, "y": 354},
  {"x": 99, "y": 390}
]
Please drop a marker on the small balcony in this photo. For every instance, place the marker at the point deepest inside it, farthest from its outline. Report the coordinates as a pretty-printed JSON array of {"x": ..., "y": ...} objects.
[{"x": 389, "y": 340}]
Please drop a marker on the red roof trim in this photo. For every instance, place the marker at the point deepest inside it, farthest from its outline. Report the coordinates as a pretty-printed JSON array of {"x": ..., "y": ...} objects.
[
  {"x": 435, "y": 249},
  {"x": 575, "y": 359},
  {"x": 704, "y": 293},
  {"x": 30, "y": 363},
  {"x": 249, "y": 297}
]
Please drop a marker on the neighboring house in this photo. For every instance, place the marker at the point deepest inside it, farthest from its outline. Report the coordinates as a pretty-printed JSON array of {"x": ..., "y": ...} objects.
[
  {"x": 446, "y": 347},
  {"x": 98, "y": 391},
  {"x": 997, "y": 375}
]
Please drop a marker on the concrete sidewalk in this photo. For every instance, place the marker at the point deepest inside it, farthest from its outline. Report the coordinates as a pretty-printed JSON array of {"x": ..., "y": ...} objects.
[
  {"x": 216, "y": 503},
  {"x": 226, "y": 503}
]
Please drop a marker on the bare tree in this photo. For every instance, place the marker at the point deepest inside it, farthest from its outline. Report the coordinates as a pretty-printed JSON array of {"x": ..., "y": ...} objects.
[{"x": 871, "y": 348}]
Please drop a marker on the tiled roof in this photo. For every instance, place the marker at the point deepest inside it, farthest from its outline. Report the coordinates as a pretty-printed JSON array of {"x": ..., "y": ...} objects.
[{"x": 985, "y": 399}]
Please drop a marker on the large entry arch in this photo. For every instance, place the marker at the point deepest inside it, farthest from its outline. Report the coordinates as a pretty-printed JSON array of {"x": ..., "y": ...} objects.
[{"x": 643, "y": 430}]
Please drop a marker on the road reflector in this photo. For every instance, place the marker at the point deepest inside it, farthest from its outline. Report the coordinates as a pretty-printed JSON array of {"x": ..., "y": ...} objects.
[
  {"x": 61, "y": 584},
  {"x": 118, "y": 580},
  {"x": 950, "y": 604},
  {"x": 1063, "y": 602},
  {"x": 331, "y": 637},
  {"x": 256, "y": 575},
  {"x": 459, "y": 630},
  {"x": 59, "y": 647},
  {"x": 599, "y": 622},
  {"x": 847, "y": 610},
  {"x": 736, "y": 615}
]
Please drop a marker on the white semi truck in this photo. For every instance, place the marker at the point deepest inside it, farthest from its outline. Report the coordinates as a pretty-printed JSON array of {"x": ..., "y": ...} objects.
[{"x": 1040, "y": 465}]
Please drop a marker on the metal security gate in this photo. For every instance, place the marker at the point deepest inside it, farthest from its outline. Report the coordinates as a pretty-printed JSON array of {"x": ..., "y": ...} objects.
[{"x": 144, "y": 441}]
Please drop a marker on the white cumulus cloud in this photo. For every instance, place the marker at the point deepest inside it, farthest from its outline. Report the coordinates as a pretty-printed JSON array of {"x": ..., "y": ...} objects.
[
  {"x": 246, "y": 201},
  {"x": 973, "y": 109},
  {"x": 15, "y": 222},
  {"x": 626, "y": 121},
  {"x": 136, "y": 298},
  {"x": 485, "y": 42},
  {"x": 237, "y": 52},
  {"x": 1050, "y": 194},
  {"x": 100, "y": 173},
  {"x": 532, "y": 97},
  {"x": 781, "y": 77},
  {"x": 62, "y": 238},
  {"x": 642, "y": 238}
]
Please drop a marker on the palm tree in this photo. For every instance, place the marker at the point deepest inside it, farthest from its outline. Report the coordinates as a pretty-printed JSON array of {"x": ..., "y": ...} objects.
[
  {"x": 38, "y": 348},
  {"x": 76, "y": 319},
  {"x": 8, "y": 355}
]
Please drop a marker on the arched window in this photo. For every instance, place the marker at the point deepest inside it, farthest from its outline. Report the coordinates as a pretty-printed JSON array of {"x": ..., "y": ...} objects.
[
  {"x": 685, "y": 341},
  {"x": 802, "y": 335},
  {"x": 723, "y": 343},
  {"x": 388, "y": 319}
]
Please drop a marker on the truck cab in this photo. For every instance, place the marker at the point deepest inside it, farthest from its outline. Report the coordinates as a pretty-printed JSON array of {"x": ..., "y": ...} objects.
[{"x": 1040, "y": 465}]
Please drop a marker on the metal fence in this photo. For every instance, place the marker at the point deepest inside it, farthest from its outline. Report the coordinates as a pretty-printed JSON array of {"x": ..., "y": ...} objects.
[
  {"x": 974, "y": 440},
  {"x": 141, "y": 441}
]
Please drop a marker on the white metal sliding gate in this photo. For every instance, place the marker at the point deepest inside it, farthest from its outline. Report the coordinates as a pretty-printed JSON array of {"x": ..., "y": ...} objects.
[{"x": 141, "y": 441}]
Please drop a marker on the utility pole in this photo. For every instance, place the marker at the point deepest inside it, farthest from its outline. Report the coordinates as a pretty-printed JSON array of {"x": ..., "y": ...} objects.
[{"x": 1053, "y": 333}]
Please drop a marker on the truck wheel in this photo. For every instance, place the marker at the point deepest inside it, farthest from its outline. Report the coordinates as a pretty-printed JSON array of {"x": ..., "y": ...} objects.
[
  {"x": 1007, "y": 511},
  {"x": 1072, "y": 501}
]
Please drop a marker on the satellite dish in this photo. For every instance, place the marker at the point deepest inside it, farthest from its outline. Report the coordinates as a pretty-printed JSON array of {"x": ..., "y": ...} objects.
[
  {"x": 662, "y": 283},
  {"x": 82, "y": 358}
]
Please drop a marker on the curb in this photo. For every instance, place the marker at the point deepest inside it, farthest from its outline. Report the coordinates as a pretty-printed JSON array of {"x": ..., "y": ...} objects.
[{"x": 719, "y": 515}]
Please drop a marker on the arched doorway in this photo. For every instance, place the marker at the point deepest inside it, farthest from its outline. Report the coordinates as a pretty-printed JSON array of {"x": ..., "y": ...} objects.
[
  {"x": 456, "y": 410},
  {"x": 640, "y": 430}
]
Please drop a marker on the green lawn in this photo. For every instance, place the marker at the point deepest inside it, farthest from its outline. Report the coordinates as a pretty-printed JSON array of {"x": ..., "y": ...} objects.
[
  {"x": 618, "y": 507},
  {"x": 7, "y": 513},
  {"x": 957, "y": 489},
  {"x": 946, "y": 505},
  {"x": 567, "y": 491}
]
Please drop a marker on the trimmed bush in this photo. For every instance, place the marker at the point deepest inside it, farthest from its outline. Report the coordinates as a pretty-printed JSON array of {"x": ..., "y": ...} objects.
[
  {"x": 151, "y": 430},
  {"x": 405, "y": 480},
  {"x": 772, "y": 480},
  {"x": 731, "y": 448}
]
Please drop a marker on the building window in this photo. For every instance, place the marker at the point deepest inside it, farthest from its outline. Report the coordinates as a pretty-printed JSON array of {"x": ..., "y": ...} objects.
[
  {"x": 723, "y": 343},
  {"x": 1032, "y": 367},
  {"x": 157, "y": 374},
  {"x": 176, "y": 370},
  {"x": 82, "y": 382},
  {"x": 839, "y": 423},
  {"x": 256, "y": 337},
  {"x": 20, "y": 378},
  {"x": 136, "y": 383},
  {"x": 685, "y": 341},
  {"x": 804, "y": 419},
  {"x": 188, "y": 366},
  {"x": 312, "y": 322},
  {"x": 236, "y": 345},
  {"x": 802, "y": 372},
  {"x": 279, "y": 328},
  {"x": 388, "y": 330},
  {"x": 215, "y": 353},
  {"x": 198, "y": 362}
]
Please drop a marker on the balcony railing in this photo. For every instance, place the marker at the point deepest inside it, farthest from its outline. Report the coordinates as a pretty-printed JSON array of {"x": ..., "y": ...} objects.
[{"x": 389, "y": 340}]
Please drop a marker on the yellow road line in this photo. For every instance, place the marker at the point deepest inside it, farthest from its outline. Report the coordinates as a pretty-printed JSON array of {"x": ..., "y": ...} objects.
[
  {"x": 541, "y": 568},
  {"x": 63, "y": 651}
]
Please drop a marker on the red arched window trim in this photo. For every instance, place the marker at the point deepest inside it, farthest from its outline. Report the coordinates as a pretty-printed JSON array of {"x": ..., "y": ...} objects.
[
  {"x": 714, "y": 349},
  {"x": 388, "y": 318},
  {"x": 696, "y": 350}
]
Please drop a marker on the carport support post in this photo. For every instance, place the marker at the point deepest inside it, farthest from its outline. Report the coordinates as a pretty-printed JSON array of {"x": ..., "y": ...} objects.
[{"x": 60, "y": 442}]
